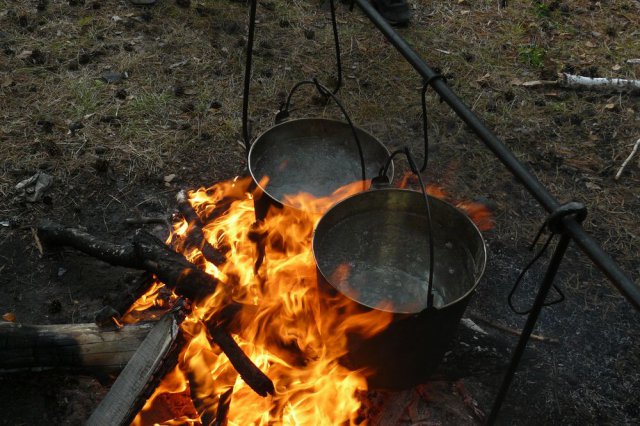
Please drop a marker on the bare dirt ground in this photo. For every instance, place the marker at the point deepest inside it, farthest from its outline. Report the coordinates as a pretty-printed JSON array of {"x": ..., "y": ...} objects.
[{"x": 123, "y": 106}]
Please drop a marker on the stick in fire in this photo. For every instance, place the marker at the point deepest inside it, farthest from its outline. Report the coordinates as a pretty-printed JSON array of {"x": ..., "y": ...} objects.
[{"x": 148, "y": 253}]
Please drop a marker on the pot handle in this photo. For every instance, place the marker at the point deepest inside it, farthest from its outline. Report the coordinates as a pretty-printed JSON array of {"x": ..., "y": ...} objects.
[
  {"x": 425, "y": 123},
  {"x": 379, "y": 181},
  {"x": 283, "y": 113}
]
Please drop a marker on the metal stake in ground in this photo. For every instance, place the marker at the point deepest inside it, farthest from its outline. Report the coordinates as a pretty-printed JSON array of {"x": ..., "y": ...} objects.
[{"x": 556, "y": 225}]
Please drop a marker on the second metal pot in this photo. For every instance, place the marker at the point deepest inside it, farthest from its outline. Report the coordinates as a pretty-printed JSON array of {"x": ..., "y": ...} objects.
[{"x": 372, "y": 248}]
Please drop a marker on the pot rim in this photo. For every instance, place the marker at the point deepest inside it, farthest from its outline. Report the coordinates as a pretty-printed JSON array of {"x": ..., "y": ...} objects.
[
  {"x": 331, "y": 120},
  {"x": 466, "y": 295}
]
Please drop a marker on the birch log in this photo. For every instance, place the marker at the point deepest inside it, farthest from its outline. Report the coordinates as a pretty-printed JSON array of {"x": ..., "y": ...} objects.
[{"x": 570, "y": 80}]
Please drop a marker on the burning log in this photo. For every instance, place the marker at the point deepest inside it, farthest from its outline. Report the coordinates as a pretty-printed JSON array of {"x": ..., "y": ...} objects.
[
  {"x": 195, "y": 234},
  {"x": 145, "y": 252},
  {"x": 149, "y": 253},
  {"x": 251, "y": 374},
  {"x": 84, "y": 347},
  {"x": 223, "y": 408},
  {"x": 147, "y": 366}
]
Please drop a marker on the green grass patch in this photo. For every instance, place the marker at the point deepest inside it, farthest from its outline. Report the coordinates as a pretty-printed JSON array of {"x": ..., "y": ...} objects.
[
  {"x": 531, "y": 54},
  {"x": 85, "y": 20}
]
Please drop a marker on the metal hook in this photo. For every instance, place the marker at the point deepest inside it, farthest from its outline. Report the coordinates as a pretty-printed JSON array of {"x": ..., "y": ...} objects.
[{"x": 553, "y": 223}]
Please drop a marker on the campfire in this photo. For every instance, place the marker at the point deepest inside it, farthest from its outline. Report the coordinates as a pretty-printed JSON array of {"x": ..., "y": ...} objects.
[
  {"x": 283, "y": 330},
  {"x": 246, "y": 336}
]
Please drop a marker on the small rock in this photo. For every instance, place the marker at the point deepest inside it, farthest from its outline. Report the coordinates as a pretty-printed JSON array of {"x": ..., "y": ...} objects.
[
  {"x": 169, "y": 178},
  {"x": 112, "y": 77},
  {"x": 61, "y": 271},
  {"x": 75, "y": 126}
]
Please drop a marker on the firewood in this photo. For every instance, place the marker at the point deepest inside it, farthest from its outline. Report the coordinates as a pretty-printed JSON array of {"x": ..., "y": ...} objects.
[
  {"x": 149, "y": 253},
  {"x": 142, "y": 373},
  {"x": 223, "y": 408},
  {"x": 571, "y": 81},
  {"x": 251, "y": 374},
  {"x": 145, "y": 252},
  {"x": 195, "y": 234},
  {"x": 75, "y": 347}
]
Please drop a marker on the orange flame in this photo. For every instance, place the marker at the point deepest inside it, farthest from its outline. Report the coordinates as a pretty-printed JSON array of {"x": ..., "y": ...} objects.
[
  {"x": 479, "y": 213},
  {"x": 289, "y": 332}
]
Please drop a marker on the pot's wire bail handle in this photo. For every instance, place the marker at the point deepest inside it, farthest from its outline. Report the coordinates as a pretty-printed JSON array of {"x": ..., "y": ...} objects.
[
  {"x": 554, "y": 225},
  {"x": 283, "y": 114},
  {"x": 381, "y": 179},
  {"x": 425, "y": 124}
]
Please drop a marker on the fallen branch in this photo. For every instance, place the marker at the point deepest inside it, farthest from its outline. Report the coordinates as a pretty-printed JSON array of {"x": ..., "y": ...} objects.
[
  {"x": 570, "y": 80},
  {"x": 577, "y": 81},
  {"x": 624, "y": 164},
  {"x": 77, "y": 347},
  {"x": 514, "y": 331}
]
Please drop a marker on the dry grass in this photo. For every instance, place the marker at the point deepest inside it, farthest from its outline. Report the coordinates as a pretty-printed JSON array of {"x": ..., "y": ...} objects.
[
  {"x": 180, "y": 60},
  {"x": 179, "y": 110}
]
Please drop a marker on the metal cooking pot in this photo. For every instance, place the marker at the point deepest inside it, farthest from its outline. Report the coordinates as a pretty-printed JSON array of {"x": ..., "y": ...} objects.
[
  {"x": 312, "y": 155},
  {"x": 373, "y": 248}
]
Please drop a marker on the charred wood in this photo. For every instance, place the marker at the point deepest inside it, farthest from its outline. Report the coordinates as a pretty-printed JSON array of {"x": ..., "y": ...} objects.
[
  {"x": 195, "y": 235},
  {"x": 144, "y": 252},
  {"x": 149, "y": 253},
  {"x": 223, "y": 408},
  {"x": 119, "y": 307},
  {"x": 153, "y": 359},
  {"x": 249, "y": 372}
]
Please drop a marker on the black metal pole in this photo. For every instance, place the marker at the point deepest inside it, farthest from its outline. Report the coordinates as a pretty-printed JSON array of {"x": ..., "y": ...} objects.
[
  {"x": 247, "y": 76},
  {"x": 588, "y": 245},
  {"x": 547, "y": 281}
]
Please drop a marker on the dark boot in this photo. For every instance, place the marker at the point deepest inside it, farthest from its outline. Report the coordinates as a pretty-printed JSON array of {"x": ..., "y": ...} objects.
[{"x": 396, "y": 12}]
